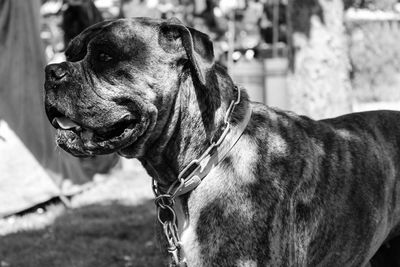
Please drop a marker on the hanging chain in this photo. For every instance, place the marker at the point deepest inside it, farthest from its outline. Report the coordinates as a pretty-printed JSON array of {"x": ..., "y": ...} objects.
[{"x": 165, "y": 201}]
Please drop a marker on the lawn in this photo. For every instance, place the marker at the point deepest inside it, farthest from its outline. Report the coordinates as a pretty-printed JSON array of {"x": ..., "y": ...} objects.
[{"x": 111, "y": 224}]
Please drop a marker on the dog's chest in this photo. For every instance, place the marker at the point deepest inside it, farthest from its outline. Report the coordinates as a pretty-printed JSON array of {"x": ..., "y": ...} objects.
[{"x": 216, "y": 206}]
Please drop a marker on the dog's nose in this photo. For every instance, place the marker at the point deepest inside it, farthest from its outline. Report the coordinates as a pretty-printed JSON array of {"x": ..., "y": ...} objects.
[{"x": 55, "y": 72}]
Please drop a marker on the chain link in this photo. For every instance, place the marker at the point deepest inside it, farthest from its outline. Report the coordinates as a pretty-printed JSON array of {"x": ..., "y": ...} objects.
[
  {"x": 165, "y": 201},
  {"x": 214, "y": 144},
  {"x": 167, "y": 217}
]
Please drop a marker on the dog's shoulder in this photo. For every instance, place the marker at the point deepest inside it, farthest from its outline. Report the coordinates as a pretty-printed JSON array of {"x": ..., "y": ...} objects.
[{"x": 266, "y": 120}]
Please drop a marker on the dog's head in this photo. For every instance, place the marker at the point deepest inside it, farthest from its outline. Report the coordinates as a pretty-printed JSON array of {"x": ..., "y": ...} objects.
[{"x": 119, "y": 83}]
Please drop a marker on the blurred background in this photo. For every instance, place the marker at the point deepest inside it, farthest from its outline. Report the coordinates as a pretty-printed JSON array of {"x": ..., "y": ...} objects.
[{"x": 320, "y": 58}]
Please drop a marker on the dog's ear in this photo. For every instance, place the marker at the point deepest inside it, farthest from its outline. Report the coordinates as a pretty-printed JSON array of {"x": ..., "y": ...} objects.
[
  {"x": 175, "y": 37},
  {"x": 76, "y": 49}
]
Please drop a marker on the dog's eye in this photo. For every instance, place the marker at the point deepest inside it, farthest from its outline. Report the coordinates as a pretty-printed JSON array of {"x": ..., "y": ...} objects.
[{"x": 104, "y": 57}]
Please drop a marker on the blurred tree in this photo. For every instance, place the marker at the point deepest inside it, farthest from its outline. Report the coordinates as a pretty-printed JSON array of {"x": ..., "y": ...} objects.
[
  {"x": 319, "y": 84},
  {"x": 370, "y": 4}
]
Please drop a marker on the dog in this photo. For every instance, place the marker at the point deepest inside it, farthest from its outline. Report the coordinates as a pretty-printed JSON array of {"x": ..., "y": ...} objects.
[{"x": 281, "y": 189}]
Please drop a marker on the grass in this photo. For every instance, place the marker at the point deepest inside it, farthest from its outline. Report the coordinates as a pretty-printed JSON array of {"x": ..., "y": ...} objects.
[{"x": 112, "y": 224}]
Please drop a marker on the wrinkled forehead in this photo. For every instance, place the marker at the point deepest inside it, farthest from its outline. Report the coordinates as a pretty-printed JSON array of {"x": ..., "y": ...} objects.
[
  {"x": 122, "y": 33},
  {"x": 144, "y": 28}
]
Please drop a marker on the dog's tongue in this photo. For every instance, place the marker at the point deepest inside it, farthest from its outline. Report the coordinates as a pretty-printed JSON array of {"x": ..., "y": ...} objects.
[{"x": 66, "y": 123}]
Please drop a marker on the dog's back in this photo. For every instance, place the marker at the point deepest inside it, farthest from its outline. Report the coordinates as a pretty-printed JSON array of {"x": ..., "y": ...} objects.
[{"x": 293, "y": 183}]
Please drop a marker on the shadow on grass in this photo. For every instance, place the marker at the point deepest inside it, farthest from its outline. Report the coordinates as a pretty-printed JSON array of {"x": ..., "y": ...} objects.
[{"x": 92, "y": 236}]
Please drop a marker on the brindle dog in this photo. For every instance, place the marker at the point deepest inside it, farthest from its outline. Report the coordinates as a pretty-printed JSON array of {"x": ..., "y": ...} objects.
[{"x": 291, "y": 192}]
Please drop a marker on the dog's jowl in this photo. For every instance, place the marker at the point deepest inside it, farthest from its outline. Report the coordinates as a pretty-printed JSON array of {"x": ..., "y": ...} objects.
[{"x": 249, "y": 185}]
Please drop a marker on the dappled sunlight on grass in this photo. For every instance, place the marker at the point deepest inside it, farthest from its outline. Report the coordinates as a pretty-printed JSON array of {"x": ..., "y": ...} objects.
[
  {"x": 111, "y": 224},
  {"x": 32, "y": 221},
  {"x": 95, "y": 235}
]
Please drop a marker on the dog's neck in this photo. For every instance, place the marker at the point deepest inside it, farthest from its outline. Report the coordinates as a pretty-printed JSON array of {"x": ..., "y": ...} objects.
[{"x": 193, "y": 122}]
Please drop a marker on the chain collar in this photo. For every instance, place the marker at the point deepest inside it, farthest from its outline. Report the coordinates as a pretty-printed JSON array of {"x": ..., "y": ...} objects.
[{"x": 190, "y": 177}]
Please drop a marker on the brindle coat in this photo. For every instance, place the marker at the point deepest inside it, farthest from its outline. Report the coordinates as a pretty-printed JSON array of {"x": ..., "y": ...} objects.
[{"x": 292, "y": 192}]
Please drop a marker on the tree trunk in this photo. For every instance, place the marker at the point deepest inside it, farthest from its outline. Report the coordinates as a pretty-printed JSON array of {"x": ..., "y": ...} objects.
[{"x": 319, "y": 84}]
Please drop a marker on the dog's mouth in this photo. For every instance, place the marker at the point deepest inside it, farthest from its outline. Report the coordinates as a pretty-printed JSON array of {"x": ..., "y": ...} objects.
[
  {"x": 99, "y": 135},
  {"x": 81, "y": 140}
]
